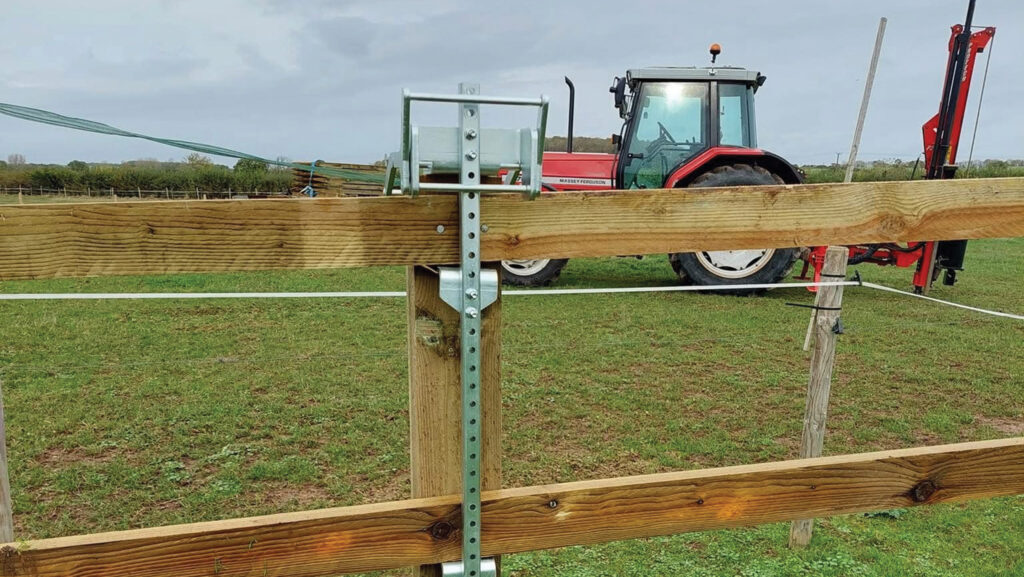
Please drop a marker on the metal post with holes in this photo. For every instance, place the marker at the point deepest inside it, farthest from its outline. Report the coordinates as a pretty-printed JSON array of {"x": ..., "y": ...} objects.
[
  {"x": 471, "y": 152},
  {"x": 471, "y": 306}
]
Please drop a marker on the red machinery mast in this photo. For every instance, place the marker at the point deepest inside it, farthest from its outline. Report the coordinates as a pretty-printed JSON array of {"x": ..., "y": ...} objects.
[
  {"x": 942, "y": 138},
  {"x": 976, "y": 44}
]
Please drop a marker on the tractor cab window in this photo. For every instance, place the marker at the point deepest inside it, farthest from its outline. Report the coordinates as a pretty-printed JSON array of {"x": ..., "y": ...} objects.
[
  {"x": 671, "y": 126},
  {"x": 735, "y": 115}
]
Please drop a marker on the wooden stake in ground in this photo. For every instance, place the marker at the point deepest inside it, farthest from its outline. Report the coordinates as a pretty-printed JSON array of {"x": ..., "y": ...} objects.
[
  {"x": 826, "y": 330},
  {"x": 435, "y": 397},
  {"x": 6, "y": 513},
  {"x": 864, "y": 101}
]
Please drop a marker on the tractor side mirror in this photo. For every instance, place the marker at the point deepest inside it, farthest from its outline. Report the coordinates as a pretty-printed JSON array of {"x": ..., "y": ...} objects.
[{"x": 618, "y": 88}]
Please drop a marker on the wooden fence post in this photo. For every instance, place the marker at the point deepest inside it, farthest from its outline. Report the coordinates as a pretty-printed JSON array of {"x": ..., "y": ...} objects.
[
  {"x": 435, "y": 398},
  {"x": 6, "y": 512},
  {"x": 826, "y": 318}
]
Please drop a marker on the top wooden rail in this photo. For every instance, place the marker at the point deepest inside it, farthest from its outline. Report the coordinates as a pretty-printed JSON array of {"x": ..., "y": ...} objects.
[{"x": 94, "y": 239}]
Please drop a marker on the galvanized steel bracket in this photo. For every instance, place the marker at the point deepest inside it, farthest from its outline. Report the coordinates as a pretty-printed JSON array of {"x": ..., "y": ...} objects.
[
  {"x": 442, "y": 150},
  {"x": 452, "y": 290},
  {"x": 488, "y": 568}
]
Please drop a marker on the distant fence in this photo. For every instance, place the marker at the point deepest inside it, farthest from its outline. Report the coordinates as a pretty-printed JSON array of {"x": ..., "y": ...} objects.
[{"x": 137, "y": 193}]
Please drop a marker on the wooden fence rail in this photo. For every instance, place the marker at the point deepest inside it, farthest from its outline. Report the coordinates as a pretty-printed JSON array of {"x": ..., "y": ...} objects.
[
  {"x": 418, "y": 531},
  {"x": 44, "y": 241}
]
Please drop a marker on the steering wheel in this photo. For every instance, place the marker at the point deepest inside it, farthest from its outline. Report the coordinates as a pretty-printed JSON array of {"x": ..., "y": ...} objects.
[
  {"x": 664, "y": 137},
  {"x": 663, "y": 134}
]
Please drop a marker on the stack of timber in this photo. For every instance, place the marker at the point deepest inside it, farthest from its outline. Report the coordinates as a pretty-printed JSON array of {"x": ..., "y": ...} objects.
[{"x": 327, "y": 186}]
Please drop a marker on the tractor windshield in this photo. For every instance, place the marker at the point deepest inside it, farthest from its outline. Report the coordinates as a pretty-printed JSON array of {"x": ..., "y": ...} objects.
[{"x": 671, "y": 126}]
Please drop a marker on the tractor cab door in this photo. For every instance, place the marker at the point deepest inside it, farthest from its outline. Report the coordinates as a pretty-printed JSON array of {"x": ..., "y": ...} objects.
[{"x": 670, "y": 123}]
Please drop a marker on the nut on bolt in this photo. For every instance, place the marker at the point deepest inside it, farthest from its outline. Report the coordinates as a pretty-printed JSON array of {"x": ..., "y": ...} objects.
[
  {"x": 471, "y": 293},
  {"x": 472, "y": 313},
  {"x": 470, "y": 134},
  {"x": 471, "y": 155}
]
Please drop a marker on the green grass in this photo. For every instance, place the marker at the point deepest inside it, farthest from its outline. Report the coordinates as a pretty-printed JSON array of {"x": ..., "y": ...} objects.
[
  {"x": 128, "y": 414},
  {"x": 899, "y": 170}
]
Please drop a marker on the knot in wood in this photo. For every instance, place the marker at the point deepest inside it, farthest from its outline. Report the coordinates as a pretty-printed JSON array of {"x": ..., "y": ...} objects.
[
  {"x": 893, "y": 224},
  {"x": 923, "y": 491},
  {"x": 441, "y": 530}
]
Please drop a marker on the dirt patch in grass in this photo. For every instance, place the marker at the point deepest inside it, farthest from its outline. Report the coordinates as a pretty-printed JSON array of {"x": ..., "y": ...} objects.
[
  {"x": 78, "y": 514},
  {"x": 926, "y": 439},
  {"x": 1011, "y": 427},
  {"x": 396, "y": 487},
  {"x": 291, "y": 494},
  {"x": 791, "y": 443},
  {"x": 58, "y": 457}
]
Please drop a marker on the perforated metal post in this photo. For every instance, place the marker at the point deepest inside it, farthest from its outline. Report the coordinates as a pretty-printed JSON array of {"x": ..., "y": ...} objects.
[
  {"x": 469, "y": 290},
  {"x": 469, "y": 231}
]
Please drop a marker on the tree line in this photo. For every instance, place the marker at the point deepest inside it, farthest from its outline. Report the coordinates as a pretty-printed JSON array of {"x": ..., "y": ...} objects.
[{"x": 196, "y": 172}]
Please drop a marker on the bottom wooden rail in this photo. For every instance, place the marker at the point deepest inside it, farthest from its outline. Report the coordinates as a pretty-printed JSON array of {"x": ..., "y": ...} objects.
[{"x": 419, "y": 531}]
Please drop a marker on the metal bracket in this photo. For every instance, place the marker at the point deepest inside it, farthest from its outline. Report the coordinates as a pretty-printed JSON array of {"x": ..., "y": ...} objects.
[
  {"x": 443, "y": 150},
  {"x": 452, "y": 291},
  {"x": 488, "y": 568}
]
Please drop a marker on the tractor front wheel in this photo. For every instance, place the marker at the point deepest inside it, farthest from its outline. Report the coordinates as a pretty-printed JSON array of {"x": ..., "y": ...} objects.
[
  {"x": 532, "y": 272},
  {"x": 735, "y": 267}
]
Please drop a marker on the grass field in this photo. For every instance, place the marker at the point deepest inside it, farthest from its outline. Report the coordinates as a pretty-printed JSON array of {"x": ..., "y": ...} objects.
[{"x": 128, "y": 414}]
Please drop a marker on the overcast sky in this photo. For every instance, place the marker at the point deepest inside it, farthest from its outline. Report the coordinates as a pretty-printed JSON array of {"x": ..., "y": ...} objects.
[{"x": 322, "y": 79}]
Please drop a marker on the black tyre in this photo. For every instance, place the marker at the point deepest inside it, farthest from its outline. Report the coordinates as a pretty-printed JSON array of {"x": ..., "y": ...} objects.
[
  {"x": 736, "y": 267},
  {"x": 532, "y": 272}
]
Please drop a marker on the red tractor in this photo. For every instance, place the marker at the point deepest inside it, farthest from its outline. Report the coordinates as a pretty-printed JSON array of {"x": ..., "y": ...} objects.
[
  {"x": 682, "y": 127},
  {"x": 694, "y": 127}
]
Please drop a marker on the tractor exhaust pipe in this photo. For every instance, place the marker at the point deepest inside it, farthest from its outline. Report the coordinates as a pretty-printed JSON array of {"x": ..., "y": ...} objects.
[{"x": 572, "y": 107}]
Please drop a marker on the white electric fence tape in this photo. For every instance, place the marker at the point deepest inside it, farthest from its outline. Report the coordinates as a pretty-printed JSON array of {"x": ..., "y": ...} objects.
[
  {"x": 388, "y": 294},
  {"x": 539, "y": 292},
  {"x": 947, "y": 303},
  {"x": 145, "y": 296}
]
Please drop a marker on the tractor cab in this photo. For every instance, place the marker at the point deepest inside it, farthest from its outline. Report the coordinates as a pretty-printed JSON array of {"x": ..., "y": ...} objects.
[
  {"x": 682, "y": 127},
  {"x": 672, "y": 115}
]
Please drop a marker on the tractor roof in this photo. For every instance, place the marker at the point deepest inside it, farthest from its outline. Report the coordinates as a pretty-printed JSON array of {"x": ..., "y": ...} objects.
[{"x": 692, "y": 73}]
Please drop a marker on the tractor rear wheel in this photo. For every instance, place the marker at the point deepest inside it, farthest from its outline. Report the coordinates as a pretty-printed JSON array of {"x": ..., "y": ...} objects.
[
  {"x": 735, "y": 267},
  {"x": 532, "y": 272}
]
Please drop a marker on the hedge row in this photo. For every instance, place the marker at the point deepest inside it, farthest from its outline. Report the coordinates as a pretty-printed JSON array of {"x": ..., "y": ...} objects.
[{"x": 209, "y": 177}]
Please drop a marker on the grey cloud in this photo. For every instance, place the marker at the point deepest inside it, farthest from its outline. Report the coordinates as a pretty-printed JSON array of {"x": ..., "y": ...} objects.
[{"x": 328, "y": 85}]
